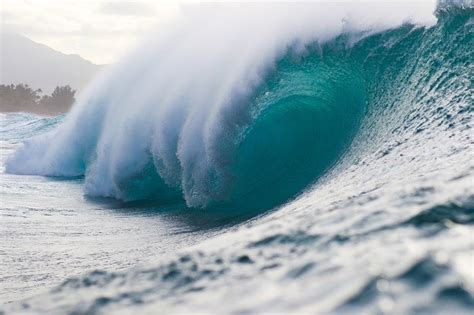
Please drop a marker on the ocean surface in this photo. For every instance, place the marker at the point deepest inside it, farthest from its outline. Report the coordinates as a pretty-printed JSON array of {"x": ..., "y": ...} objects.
[{"x": 312, "y": 173}]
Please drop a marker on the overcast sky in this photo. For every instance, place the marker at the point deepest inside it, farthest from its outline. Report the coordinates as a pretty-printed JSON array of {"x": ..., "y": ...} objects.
[{"x": 98, "y": 30}]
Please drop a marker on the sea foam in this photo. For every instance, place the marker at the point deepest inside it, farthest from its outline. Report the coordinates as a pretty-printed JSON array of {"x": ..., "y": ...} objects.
[{"x": 170, "y": 113}]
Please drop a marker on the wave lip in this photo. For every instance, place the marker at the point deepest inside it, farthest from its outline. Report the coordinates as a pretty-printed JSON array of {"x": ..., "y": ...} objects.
[{"x": 169, "y": 120}]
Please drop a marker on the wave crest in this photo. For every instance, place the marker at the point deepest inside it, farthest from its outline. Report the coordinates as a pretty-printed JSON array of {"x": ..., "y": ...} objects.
[{"x": 199, "y": 113}]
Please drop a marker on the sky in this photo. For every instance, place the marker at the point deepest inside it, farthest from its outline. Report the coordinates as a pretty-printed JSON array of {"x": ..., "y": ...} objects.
[{"x": 99, "y": 31}]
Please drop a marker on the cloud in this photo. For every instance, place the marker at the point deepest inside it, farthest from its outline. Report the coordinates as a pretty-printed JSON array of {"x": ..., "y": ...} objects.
[{"x": 128, "y": 8}]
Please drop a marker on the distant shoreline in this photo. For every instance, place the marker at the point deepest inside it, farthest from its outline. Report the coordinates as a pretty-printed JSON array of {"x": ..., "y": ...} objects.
[{"x": 22, "y": 98}]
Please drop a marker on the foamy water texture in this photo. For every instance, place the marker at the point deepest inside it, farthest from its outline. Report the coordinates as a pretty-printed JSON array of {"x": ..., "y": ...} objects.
[
  {"x": 308, "y": 158},
  {"x": 179, "y": 105}
]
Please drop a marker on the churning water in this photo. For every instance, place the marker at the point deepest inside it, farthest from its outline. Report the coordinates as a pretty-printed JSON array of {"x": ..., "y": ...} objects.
[{"x": 308, "y": 159}]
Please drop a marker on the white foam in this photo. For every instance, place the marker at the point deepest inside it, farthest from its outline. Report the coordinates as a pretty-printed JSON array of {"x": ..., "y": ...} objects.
[{"x": 177, "y": 97}]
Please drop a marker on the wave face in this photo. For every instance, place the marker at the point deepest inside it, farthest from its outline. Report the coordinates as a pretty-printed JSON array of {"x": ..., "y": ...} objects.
[
  {"x": 380, "y": 121},
  {"x": 241, "y": 117}
]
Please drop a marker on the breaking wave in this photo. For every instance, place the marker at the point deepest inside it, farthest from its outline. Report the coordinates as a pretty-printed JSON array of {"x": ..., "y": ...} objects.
[
  {"x": 245, "y": 116},
  {"x": 367, "y": 124}
]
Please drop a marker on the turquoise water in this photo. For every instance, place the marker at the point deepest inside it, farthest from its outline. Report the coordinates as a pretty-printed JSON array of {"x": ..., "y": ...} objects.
[{"x": 340, "y": 184}]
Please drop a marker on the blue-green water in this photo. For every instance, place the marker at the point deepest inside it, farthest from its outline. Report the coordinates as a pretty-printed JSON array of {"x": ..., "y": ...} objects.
[{"x": 342, "y": 183}]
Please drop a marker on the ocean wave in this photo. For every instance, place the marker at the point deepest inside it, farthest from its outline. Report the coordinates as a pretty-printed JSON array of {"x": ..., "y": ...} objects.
[
  {"x": 240, "y": 121},
  {"x": 377, "y": 156}
]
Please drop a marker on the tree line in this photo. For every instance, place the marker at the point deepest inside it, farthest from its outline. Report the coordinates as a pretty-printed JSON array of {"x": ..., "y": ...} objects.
[{"x": 22, "y": 98}]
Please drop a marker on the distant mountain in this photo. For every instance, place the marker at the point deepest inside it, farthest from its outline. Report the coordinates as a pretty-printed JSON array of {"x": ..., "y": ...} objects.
[{"x": 25, "y": 61}]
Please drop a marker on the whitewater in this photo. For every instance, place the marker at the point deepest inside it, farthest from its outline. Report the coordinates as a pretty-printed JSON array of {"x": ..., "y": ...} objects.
[{"x": 252, "y": 158}]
